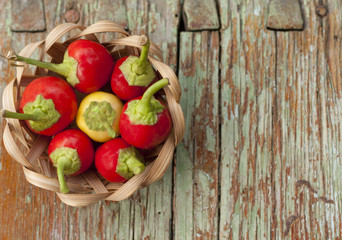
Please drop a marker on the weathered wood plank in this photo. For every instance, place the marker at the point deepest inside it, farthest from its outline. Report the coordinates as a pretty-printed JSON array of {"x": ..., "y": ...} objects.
[
  {"x": 20, "y": 209},
  {"x": 309, "y": 110},
  {"x": 89, "y": 12},
  {"x": 148, "y": 214},
  {"x": 247, "y": 95},
  {"x": 196, "y": 179},
  {"x": 332, "y": 161},
  {"x": 5, "y": 38},
  {"x": 200, "y": 15},
  {"x": 31, "y": 211},
  {"x": 28, "y": 16},
  {"x": 152, "y": 209},
  {"x": 298, "y": 176},
  {"x": 285, "y": 15},
  {"x": 99, "y": 221},
  {"x": 158, "y": 19}
]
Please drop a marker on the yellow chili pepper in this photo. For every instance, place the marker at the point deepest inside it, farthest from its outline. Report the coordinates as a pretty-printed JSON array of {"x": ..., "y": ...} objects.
[{"x": 98, "y": 116}]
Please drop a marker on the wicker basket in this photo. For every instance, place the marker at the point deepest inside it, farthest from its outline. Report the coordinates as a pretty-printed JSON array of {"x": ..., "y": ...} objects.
[{"x": 29, "y": 149}]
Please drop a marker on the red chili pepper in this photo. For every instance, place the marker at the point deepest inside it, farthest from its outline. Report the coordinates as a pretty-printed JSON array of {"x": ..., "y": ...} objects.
[
  {"x": 117, "y": 161},
  {"x": 72, "y": 153},
  {"x": 132, "y": 75},
  {"x": 145, "y": 122},
  {"x": 48, "y": 105},
  {"x": 87, "y": 65}
]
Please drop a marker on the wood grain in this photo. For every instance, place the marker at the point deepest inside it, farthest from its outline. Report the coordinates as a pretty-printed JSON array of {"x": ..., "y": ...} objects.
[
  {"x": 158, "y": 19},
  {"x": 309, "y": 144},
  {"x": 196, "y": 177},
  {"x": 280, "y": 132},
  {"x": 247, "y": 97}
]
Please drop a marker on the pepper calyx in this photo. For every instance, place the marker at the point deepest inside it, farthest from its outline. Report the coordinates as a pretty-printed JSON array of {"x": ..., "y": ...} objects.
[
  {"x": 73, "y": 164},
  {"x": 45, "y": 112},
  {"x": 137, "y": 74},
  {"x": 136, "y": 116},
  {"x": 145, "y": 110},
  {"x": 99, "y": 116},
  {"x": 130, "y": 162}
]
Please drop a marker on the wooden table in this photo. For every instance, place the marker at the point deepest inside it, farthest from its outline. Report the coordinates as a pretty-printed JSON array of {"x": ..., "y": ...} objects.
[{"x": 261, "y": 157}]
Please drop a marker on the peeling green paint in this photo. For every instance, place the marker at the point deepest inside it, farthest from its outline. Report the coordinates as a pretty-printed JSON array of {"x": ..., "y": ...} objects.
[
  {"x": 28, "y": 198},
  {"x": 8, "y": 20},
  {"x": 59, "y": 2},
  {"x": 198, "y": 154}
]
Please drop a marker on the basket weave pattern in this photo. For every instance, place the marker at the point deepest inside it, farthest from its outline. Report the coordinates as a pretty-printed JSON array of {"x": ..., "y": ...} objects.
[{"x": 29, "y": 149}]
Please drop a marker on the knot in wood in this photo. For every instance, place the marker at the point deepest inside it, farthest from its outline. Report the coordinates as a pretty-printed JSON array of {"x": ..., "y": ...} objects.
[
  {"x": 72, "y": 16},
  {"x": 321, "y": 10}
]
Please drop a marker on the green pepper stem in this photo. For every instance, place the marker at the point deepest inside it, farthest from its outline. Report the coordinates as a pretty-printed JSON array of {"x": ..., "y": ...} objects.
[
  {"x": 21, "y": 116},
  {"x": 140, "y": 65},
  {"x": 109, "y": 129},
  {"x": 61, "y": 68},
  {"x": 144, "y": 105},
  {"x": 134, "y": 165},
  {"x": 62, "y": 164},
  {"x": 144, "y": 52}
]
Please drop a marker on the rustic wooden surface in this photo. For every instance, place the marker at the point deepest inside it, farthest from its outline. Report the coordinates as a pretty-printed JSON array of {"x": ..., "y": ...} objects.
[{"x": 261, "y": 157}]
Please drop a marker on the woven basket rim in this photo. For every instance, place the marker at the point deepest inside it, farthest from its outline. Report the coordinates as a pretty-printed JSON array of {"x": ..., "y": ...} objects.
[{"x": 87, "y": 188}]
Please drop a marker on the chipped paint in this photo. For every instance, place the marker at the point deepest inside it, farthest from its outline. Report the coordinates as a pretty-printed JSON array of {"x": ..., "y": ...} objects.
[
  {"x": 257, "y": 10},
  {"x": 8, "y": 20},
  {"x": 28, "y": 198},
  {"x": 199, "y": 77}
]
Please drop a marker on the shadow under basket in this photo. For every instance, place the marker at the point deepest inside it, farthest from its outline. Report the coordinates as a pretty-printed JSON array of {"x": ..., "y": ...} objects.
[{"x": 30, "y": 149}]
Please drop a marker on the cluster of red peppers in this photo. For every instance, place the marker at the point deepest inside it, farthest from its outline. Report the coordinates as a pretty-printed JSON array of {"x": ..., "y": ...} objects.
[{"x": 49, "y": 106}]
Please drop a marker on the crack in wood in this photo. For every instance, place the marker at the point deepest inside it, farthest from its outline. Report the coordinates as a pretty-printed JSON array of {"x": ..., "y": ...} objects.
[
  {"x": 290, "y": 220},
  {"x": 307, "y": 185}
]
